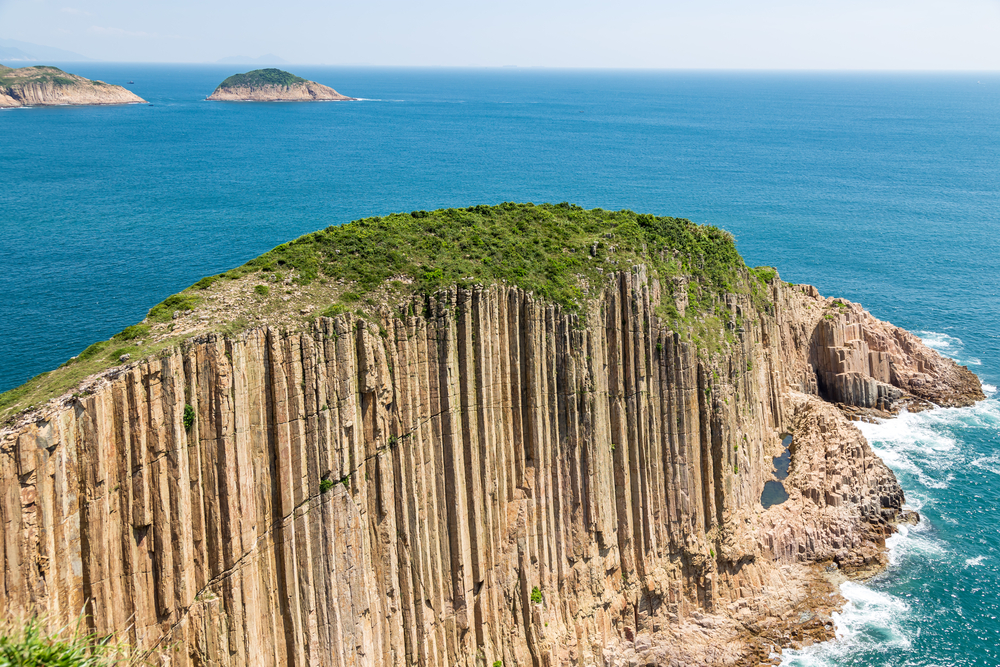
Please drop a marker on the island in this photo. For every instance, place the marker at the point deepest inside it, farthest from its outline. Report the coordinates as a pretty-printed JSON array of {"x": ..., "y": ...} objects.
[
  {"x": 497, "y": 435},
  {"x": 274, "y": 85},
  {"x": 43, "y": 85}
]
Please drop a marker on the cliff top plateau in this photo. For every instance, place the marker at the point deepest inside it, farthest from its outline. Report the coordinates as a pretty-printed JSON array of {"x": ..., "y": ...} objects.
[
  {"x": 561, "y": 253},
  {"x": 273, "y": 85},
  {"x": 514, "y": 434},
  {"x": 42, "y": 85}
]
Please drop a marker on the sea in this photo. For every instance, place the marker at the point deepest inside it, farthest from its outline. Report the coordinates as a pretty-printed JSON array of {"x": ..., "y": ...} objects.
[{"x": 881, "y": 188}]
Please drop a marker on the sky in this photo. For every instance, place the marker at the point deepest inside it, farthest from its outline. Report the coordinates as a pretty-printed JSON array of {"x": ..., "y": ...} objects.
[{"x": 661, "y": 34}]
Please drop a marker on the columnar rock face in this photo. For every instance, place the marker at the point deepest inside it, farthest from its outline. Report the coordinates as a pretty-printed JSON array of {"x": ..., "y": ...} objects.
[
  {"x": 483, "y": 478},
  {"x": 48, "y": 86}
]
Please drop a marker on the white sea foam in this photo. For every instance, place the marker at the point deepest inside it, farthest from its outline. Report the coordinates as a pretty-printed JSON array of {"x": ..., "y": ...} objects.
[
  {"x": 941, "y": 342},
  {"x": 989, "y": 389},
  {"x": 987, "y": 463},
  {"x": 924, "y": 446},
  {"x": 871, "y": 622},
  {"x": 910, "y": 443}
]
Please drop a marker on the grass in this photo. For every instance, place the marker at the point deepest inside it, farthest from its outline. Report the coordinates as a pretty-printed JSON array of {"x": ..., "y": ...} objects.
[
  {"x": 536, "y": 595},
  {"x": 164, "y": 311},
  {"x": 28, "y": 644},
  {"x": 35, "y": 74},
  {"x": 562, "y": 253},
  {"x": 261, "y": 77},
  {"x": 550, "y": 250}
]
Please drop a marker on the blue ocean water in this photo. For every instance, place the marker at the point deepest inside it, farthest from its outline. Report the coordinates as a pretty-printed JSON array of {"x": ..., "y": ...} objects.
[{"x": 880, "y": 188}]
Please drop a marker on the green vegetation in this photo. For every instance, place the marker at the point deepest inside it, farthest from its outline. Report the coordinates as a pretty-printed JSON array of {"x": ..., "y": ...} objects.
[
  {"x": 163, "y": 311},
  {"x": 133, "y": 332},
  {"x": 37, "y": 74},
  {"x": 553, "y": 251},
  {"x": 326, "y": 484},
  {"x": 765, "y": 274},
  {"x": 536, "y": 595},
  {"x": 262, "y": 290},
  {"x": 27, "y": 644},
  {"x": 205, "y": 282},
  {"x": 261, "y": 77},
  {"x": 498, "y": 663},
  {"x": 188, "y": 417}
]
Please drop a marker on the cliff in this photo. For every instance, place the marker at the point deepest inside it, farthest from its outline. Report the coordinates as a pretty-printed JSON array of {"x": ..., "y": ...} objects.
[
  {"x": 273, "y": 85},
  {"x": 468, "y": 475},
  {"x": 50, "y": 86}
]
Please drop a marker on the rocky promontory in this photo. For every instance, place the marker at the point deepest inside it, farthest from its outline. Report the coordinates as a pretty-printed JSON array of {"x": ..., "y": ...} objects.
[
  {"x": 515, "y": 434},
  {"x": 50, "y": 86},
  {"x": 273, "y": 85}
]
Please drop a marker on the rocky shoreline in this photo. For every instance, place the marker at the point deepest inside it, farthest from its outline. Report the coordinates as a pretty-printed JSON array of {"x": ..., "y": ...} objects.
[
  {"x": 310, "y": 91},
  {"x": 50, "y": 86}
]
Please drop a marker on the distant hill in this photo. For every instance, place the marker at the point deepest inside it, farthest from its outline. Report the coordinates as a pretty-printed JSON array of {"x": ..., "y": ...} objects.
[
  {"x": 266, "y": 59},
  {"x": 12, "y": 50}
]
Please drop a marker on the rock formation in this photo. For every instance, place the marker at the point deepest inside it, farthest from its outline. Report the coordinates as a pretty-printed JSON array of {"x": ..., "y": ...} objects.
[
  {"x": 50, "y": 86},
  {"x": 483, "y": 478},
  {"x": 273, "y": 85}
]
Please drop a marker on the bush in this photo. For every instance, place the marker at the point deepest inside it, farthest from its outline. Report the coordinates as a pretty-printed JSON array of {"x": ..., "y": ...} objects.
[
  {"x": 262, "y": 290},
  {"x": 133, "y": 332},
  {"x": 206, "y": 282},
  {"x": 334, "y": 310},
  {"x": 188, "y": 417},
  {"x": 326, "y": 484},
  {"x": 164, "y": 311},
  {"x": 93, "y": 350},
  {"x": 536, "y": 595}
]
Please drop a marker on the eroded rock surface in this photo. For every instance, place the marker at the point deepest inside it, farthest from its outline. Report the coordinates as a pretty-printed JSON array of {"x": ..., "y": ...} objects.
[
  {"x": 307, "y": 91},
  {"x": 395, "y": 493}
]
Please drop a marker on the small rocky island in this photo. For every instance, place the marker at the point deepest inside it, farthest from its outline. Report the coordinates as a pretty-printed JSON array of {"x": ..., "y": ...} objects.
[
  {"x": 273, "y": 85},
  {"x": 50, "y": 86}
]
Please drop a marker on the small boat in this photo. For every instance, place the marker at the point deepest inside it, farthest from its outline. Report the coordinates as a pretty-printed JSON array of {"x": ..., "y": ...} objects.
[{"x": 130, "y": 83}]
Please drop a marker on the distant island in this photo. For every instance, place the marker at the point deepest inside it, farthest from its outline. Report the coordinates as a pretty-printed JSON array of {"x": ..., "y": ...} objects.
[
  {"x": 273, "y": 85},
  {"x": 50, "y": 86}
]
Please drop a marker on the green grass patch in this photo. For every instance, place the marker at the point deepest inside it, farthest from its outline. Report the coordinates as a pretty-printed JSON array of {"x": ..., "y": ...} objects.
[
  {"x": 164, "y": 311},
  {"x": 547, "y": 249},
  {"x": 206, "y": 282},
  {"x": 262, "y": 290},
  {"x": 133, "y": 332},
  {"x": 536, "y": 595},
  {"x": 262, "y": 77}
]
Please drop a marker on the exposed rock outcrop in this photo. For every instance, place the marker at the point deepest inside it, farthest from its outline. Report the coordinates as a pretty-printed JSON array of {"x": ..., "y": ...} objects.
[
  {"x": 483, "y": 478},
  {"x": 50, "y": 86}
]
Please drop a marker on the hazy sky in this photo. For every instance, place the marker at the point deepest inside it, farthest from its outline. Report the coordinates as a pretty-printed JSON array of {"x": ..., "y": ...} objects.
[{"x": 770, "y": 34}]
